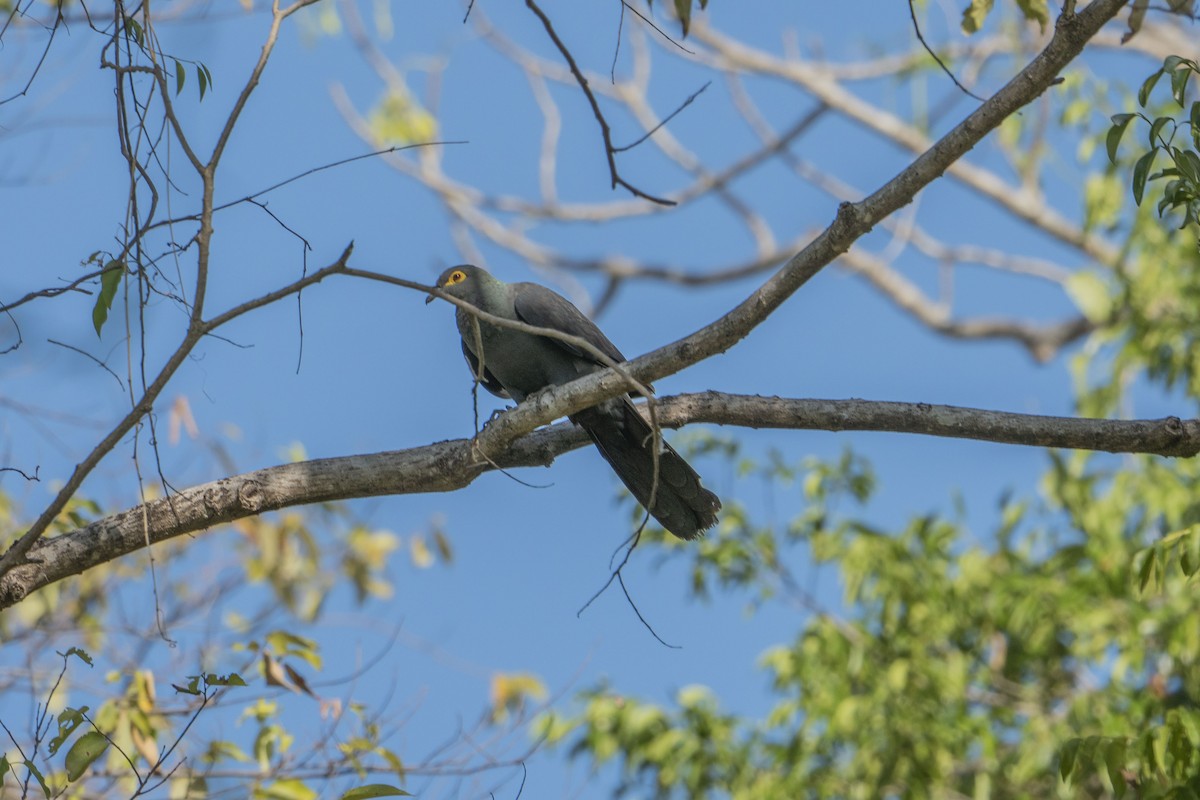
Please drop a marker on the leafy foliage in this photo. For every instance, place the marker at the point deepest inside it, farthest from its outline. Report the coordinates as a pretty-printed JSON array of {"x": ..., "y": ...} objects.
[
  {"x": 142, "y": 740},
  {"x": 1181, "y": 192},
  {"x": 1028, "y": 666},
  {"x": 399, "y": 119}
]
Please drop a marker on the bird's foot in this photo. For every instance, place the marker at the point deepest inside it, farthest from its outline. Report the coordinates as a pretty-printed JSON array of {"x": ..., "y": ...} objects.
[{"x": 496, "y": 414}]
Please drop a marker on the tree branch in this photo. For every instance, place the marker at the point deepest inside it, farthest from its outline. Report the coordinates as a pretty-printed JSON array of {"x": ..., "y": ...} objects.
[
  {"x": 1072, "y": 33},
  {"x": 19, "y": 550},
  {"x": 449, "y": 466}
]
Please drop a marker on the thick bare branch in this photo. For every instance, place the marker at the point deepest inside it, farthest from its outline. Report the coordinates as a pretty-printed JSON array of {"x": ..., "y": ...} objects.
[{"x": 448, "y": 466}]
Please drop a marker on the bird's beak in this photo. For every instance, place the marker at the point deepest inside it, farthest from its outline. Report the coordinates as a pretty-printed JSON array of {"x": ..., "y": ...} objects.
[{"x": 430, "y": 298}]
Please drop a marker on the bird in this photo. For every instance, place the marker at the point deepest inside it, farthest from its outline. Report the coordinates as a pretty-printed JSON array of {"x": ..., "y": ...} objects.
[{"x": 517, "y": 365}]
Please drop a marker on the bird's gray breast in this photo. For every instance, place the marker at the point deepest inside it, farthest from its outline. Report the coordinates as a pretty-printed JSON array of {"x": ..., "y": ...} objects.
[{"x": 521, "y": 362}]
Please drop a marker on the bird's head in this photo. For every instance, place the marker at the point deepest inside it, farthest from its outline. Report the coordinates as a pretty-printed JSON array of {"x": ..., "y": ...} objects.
[{"x": 466, "y": 282}]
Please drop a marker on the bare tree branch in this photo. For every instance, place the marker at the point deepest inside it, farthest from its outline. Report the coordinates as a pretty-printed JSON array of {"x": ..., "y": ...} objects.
[{"x": 449, "y": 466}]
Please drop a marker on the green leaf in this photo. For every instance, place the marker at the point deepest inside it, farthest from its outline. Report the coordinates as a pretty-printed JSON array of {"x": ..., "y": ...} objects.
[
  {"x": 1141, "y": 169},
  {"x": 1143, "y": 95},
  {"x": 974, "y": 15},
  {"x": 220, "y": 750},
  {"x": 1147, "y": 569},
  {"x": 134, "y": 28},
  {"x": 290, "y": 789},
  {"x": 374, "y": 790},
  {"x": 1189, "y": 166},
  {"x": 202, "y": 79},
  {"x": 84, "y": 752},
  {"x": 80, "y": 654},
  {"x": 37, "y": 773},
  {"x": 287, "y": 644},
  {"x": 1137, "y": 13},
  {"x": 4, "y": 768},
  {"x": 232, "y": 679},
  {"x": 1157, "y": 755},
  {"x": 1066, "y": 758},
  {"x": 1156, "y": 130},
  {"x": 683, "y": 8},
  {"x": 1179, "y": 80},
  {"x": 192, "y": 687},
  {"x": 110, "y": 279},
  {"x": 1036, "y": 11},
  {"x": 1090, "y": 294},
  {"x": 1119, "y": 123},
  {"x": 180, "y": 77},
  {"x": 69, "y": 719},
  {"x": 1114, "y": 762},
  {"x": 1168, "y": 200}
]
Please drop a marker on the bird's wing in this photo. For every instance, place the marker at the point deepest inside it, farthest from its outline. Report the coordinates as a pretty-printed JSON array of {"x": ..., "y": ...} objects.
[
  {"x": 537, "y": 305},
  {"x": 487, "y": 378}
]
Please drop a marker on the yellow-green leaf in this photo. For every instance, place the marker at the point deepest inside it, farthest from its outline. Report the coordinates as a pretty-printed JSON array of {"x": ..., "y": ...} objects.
[
  {"x": 374, "y": 790},
  {"x": 87, "y": 749},
  {"x": 290, "y": 789},
  {"x": 974, "y": 15},
  {"x": 1090, "y": 295}
]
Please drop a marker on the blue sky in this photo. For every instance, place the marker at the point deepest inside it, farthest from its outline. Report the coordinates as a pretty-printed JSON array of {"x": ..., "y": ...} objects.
[{"x": 380, "y": 370}]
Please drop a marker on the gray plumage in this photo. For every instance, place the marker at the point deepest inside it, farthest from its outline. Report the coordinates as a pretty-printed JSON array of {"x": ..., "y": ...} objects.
[{"x": 517, "y": 364}]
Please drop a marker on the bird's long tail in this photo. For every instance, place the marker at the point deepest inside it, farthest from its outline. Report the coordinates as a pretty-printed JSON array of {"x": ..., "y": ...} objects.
[{"x": 681, "y": 504}]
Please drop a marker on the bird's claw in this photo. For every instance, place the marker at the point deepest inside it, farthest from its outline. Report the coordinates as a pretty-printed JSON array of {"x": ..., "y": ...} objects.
[{"x": 496, "y": 414}]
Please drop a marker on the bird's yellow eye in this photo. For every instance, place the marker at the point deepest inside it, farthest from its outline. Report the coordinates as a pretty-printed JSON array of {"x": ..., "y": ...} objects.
[{"x": 458, "y": 276}]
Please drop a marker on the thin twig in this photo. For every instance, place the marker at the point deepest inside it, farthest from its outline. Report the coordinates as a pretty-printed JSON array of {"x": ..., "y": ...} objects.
[
  {"x": 612, "y": 72},
  {"x": 88, "y": 355},
  {"x": 642, "y": 619},
  {"x": 23, "y": 473},
  {"x": 912, "y": 12},
  {"x": 54, "y": 291},
  {"x": 609, "y": 151},
  {"x": 58, "y": 18},
  {"x": 667, "y": 119},
  {"x": 659, "y": 30}
]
